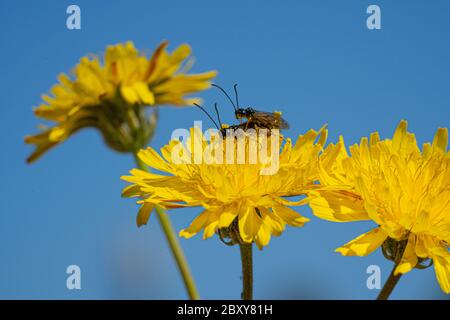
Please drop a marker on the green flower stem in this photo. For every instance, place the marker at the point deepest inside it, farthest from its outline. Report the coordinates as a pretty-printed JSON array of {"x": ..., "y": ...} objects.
[
  {"x": 247, "y": 271},
  {"x": 390, "y": 284},
  {"x": 174, "y": 245}
]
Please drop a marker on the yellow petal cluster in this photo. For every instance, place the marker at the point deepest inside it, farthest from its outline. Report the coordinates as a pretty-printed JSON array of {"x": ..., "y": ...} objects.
[
  {"x": 104, "y": 92},
  {"x": 403, "y": 189},
  {"x": 229, "y": 192}
]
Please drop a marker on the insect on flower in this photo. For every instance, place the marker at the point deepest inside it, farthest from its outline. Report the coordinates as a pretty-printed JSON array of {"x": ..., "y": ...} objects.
[
  {"x": 240, "y": 204},
  {"x": 255, "y": 119},
  {"x": 257, "y": 122}
]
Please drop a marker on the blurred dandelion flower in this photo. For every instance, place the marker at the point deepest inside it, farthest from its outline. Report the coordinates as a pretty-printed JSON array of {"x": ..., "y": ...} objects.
[
  {"x": 239, "y": 202},
  {"x": 109, "y": 94},
  {"x": 404, "y": 190}
]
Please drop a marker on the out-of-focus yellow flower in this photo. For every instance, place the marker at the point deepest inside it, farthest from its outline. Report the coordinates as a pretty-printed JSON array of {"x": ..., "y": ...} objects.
[
  {"x": 240, "y": 203},
  {"x": 109, "y": 94},
  {"x": 404, "y": 190}
]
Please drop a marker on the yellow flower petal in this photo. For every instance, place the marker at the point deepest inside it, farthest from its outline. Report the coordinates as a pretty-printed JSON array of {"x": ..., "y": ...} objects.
[
  {"x": 442, "y": 269},
  {"x": 57, "y": 134},
  {"x": 263, "y": 236},
  {"x": 409, "y": 259},
  {"x": 129, "y": 94},
  {"x": 145, "y": 95},
  {"x": 131, "y": 191},
  {"x": 289, "y": 216},
  {"x": 399, "y": 135},
  {"x": 154, "y": 160},
  {"x": 249, "y": 224},
  {"x": 364, "y": 244},
  {"x": 198, "y": 224},
  {"x": 144, "y": 214},
  {"x": 227, "y": 216},
  {"x": 440, "y": 141},
  {"x": 338, "y": 206}
]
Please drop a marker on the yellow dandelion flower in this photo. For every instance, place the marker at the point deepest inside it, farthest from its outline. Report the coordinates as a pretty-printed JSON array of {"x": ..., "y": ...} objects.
[
  {"x": 240, "y": 202},
  {"x": 404, "y": 190},
  {"x": 108, "y": 94}
]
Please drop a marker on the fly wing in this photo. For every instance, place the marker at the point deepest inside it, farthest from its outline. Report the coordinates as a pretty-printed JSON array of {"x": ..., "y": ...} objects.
[{"x": 270, "y": 120}]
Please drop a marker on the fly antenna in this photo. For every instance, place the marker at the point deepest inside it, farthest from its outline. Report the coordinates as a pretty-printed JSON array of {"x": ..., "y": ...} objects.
[
  {"x": 217, "y": 113},
  {"x": 206, "y": 112},
  {"x": 226, "y": 94},
  {"x": 236, "y": 94}
]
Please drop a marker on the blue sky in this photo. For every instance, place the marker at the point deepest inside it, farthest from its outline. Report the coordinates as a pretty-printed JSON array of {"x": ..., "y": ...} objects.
[{"x": 314, "y": 60}]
